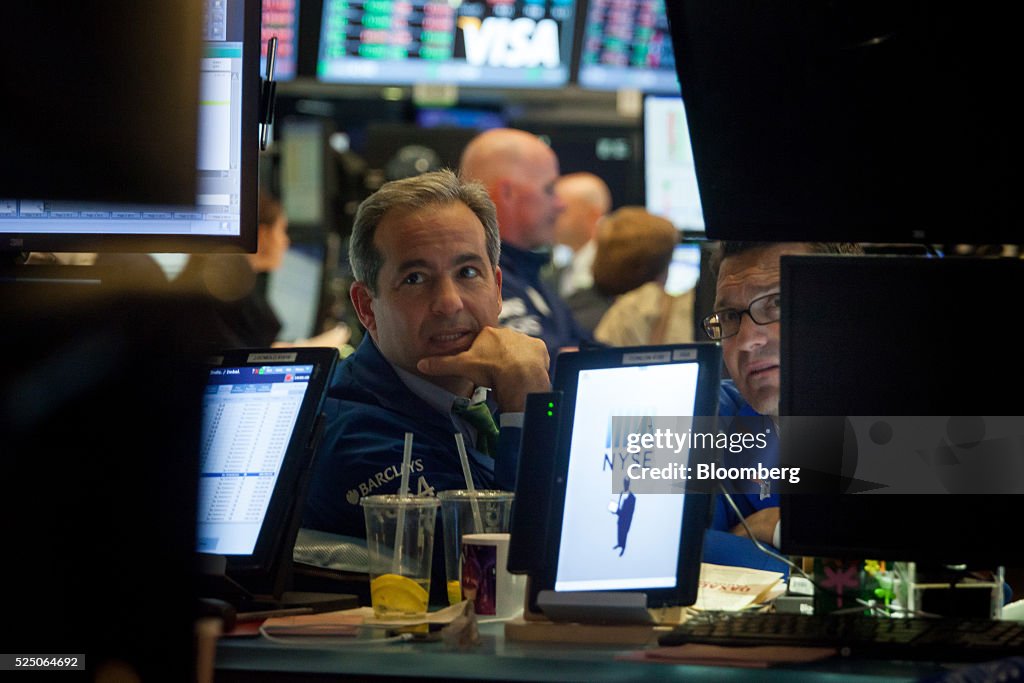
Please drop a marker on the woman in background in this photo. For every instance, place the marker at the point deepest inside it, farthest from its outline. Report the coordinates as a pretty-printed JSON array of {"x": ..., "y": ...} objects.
[{"x": 634, "y": 250}]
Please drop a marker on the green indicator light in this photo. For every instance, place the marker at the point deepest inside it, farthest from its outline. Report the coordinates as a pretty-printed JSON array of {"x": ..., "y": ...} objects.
[
  {"x": 550, "y": 414},
  {"x": 551, "y": 405}
]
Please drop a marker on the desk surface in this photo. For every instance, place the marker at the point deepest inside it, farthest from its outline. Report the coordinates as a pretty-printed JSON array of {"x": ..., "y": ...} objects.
[{"x": 498, "y": 659}]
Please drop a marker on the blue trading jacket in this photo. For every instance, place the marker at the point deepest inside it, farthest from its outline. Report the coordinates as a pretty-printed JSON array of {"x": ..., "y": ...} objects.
[
  {"x": 530, "y": 307},
  {"x": 739, "y": 414},
  {"x": 720, "y": 546},
  {"x": 368, "y": 412}
]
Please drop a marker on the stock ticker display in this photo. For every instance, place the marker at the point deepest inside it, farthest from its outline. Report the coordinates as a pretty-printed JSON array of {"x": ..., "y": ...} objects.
[
  {"x": 280, "y": 20},
  {"x": 626, "y": 44},
  {"x": 497, "y": 43}
]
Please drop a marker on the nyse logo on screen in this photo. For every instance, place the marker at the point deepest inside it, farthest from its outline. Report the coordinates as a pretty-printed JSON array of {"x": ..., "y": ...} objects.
[{"x": 510, "y": 43}]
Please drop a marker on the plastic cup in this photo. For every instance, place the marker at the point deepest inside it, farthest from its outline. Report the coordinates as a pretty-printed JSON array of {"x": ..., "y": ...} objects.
[
  {"x": 492, "y": 515},
  {"x": 399, "y": 567}
]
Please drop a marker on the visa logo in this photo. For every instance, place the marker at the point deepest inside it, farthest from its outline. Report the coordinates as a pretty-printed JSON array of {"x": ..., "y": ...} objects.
[{"x": 511, "y": 43}]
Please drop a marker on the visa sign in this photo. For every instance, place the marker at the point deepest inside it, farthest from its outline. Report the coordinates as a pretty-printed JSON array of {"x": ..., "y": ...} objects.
[{"x": 510, "y": 43}]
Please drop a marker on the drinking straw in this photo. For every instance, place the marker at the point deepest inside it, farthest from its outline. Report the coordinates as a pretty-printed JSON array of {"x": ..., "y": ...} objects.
[
  {"x": 403, "y": 493},
  {"x": 464, "y": 459}
]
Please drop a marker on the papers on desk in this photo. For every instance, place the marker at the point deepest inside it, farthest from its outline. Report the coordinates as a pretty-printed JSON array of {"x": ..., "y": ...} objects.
[
  {"x": 341, "y": 623},
  {"x": 348, "y": 622},
  {"x": 732, "y": 589}
]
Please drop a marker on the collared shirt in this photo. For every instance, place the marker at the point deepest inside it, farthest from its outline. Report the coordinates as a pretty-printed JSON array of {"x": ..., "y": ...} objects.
[
  {"x": 578, "y": 275},
  {"x": 445, "y": 402}
]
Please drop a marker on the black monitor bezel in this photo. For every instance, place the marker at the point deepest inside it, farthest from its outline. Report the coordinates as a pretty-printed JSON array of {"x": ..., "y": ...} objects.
[
  {"x": 262, "y": 571},
  {"x": 696, "y": 515},
  {"x": 850, "y": 122},
  {"x": 245, "y": 241},
  {"x": 913, "y": 527}
]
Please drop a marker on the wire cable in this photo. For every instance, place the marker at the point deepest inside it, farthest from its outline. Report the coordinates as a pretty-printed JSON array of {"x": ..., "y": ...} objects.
[{"x": 875, "y": 609}]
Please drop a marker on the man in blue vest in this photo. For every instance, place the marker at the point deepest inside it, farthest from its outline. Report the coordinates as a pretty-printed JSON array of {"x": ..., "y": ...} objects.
[
  {"x": 424, "y": 253},
  {"x": 748, "y": 307}
]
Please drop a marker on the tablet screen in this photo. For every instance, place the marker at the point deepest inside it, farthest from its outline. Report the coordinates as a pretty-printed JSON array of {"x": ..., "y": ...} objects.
[
  {"x": 261, "y": 426},
  {"x": 249, "y": 414},
  {"x": 606, "y": 525},
  {"x": 620, "y": 541}
]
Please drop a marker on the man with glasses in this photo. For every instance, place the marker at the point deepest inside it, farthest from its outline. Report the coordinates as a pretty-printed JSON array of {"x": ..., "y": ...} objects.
[{"x": 748, "y": 307}]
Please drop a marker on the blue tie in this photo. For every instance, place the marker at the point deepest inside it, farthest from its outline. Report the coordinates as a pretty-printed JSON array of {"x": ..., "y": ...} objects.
[{"x": 479, "y": 416}]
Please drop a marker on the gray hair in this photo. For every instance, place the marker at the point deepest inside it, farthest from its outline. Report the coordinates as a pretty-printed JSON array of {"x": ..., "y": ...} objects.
[{"x": 418, "y": 192}]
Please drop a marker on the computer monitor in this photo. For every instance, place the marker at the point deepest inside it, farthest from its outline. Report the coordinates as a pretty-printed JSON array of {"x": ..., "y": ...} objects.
[
  {"x": 445, "y": 144},
  {"x": 684, "y": 268},
  {"x": 260, "y": 429},
  {"x": 224, "y": 216},
  {"x": 110, "y": 115},
  {"x": 280, "y": 20},
  {"x": 611, "y": 152},
  {"x": 303, "y": 176},
  {"x": 852, "y": 121},
  {"x": 670, "y": 178},
  {"x": 295, "y": 291},
  {"x": 626, "y": 44},
  {"x": 903, "y": 362},
  {"x": 521, "y": 44},
  {"x": 608, "y": 527}
]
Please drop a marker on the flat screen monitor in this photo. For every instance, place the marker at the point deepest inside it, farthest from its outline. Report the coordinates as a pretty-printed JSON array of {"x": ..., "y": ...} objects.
[
  {"x": 513, "y": 44},
  {"x": 110, "y": 114},
  {"x": 261, "y": 416},
  {"x": 852, "y": 121},
  {"x": 280, "y": 20},
  {"x": 611, "y": 152},
  {"x": 626, "y": 44},
  {"x": 610, "y": 527},
  {"x": 440, "y": 147},
  {"x": 898, "y": 361},
  {"x": 224, "y": 216},
  {"x": 295, "y": 291},
  {"x": 684, "y": 269},
  {"x": 670, "y": 178},
  {"x": 303, "y": 177}
]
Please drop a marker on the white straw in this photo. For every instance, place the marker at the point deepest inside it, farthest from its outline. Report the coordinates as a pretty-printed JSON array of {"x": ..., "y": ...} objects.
[
  {"x": 403, "y": 493},
  {"x": 403, "y": 489},
  {"x": 464, "y": 459}
]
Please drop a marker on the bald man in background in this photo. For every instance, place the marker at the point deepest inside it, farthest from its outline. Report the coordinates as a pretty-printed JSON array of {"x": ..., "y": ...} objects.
[
  {"x": 587, "y": 200},
  {"x": 519, "y": 172}
]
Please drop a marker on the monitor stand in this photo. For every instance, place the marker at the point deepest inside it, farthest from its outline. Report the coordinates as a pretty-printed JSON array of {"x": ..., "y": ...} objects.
[{"x": 595, "y": 607}]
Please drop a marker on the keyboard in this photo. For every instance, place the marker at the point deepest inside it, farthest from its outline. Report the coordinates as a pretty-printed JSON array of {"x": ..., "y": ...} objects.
[{"x": 858, "y": 635}]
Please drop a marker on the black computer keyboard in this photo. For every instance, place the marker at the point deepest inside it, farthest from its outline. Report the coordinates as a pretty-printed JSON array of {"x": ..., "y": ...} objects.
[{"x": 858, "y": 635}]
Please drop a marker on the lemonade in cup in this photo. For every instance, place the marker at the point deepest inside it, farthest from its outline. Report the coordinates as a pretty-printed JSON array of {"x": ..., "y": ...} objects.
[{"x": 400, "y": 543}]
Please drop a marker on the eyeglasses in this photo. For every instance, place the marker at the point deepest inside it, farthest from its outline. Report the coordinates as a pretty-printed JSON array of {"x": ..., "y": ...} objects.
[{"x": 726, "y": 322}]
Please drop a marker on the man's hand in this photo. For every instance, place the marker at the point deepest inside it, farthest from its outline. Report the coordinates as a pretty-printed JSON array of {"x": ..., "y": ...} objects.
[
  {"x": 762, "y": 524},
  {"x": 512, "y": 364}
]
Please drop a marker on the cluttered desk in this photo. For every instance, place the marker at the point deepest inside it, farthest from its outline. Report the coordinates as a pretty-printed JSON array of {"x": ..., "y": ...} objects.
[
  {"x": 496, "y": 657},
  {"x": 600, "y": 620}
]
